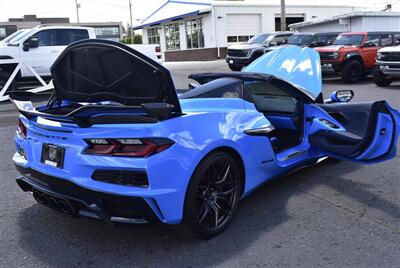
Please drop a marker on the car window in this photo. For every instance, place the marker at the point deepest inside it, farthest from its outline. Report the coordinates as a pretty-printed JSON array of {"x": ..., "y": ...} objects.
[
  {"x": 46, "y": 38},
  {"x": 278, "y": 40},
  {"x": 373, "y": 39},
  {"x": 319, "y": 38},
  {"x": 21, "y": 36},
  {"x": 60, "y": 37},
  {"x": 300, "y": 40},
  {"x": 397, "y": 39},
  {"x": 224, "y": 92},
  {"x": 349, "y": 39},
  {"x": 269, "y": 98},
  {"x": 387, "y": 40},
  {"x": 68, "y": 36},
  {"x": 259, "y": 39}
]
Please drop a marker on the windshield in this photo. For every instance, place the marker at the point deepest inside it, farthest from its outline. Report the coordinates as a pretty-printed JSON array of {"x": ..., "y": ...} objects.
[
  {"x": 300, "y": 40},
  {"x": 259, "y": 39},
  {"x": 18, "y": 38},
  {"x": 349, "y": 39},
  {"x": 11, "y": 36}
]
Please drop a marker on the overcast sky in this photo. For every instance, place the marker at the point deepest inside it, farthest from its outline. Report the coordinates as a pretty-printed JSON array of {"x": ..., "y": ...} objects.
[{"x": 118, "y": 10}]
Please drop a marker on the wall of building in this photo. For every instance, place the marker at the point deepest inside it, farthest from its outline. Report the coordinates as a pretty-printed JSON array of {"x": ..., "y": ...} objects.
[
  {"x": 356, "y": 24},
  {"x": 268, "y": 14},
  {"x": 332, "y": 26},
  {"x": 378, "y": 24}
]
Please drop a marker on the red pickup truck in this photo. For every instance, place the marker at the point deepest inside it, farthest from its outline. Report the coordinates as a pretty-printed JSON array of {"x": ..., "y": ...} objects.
[{"x": 353, "y": 54}]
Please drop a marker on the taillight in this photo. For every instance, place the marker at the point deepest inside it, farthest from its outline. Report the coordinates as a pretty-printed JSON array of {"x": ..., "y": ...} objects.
[
  {"x": 158, "y": 49},
  {"x": 127, "y": 147},
  {"x": 21, "y": 129}
]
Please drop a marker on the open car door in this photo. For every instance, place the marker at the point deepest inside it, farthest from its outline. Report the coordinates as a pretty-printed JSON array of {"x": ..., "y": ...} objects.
[{"x": 361, "y": 132}]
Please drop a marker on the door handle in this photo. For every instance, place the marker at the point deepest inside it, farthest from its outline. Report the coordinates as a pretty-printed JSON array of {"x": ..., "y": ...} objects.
[
  {"x": 263, "y": 131},
  {"x": 54, "y": 51}
]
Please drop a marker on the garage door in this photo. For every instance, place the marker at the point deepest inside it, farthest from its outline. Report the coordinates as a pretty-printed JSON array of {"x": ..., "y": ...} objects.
[{"x": 243, "y": 24}]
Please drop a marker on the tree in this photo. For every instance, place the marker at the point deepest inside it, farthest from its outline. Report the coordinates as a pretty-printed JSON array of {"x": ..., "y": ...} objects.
[{"x": 137, "y": 38}]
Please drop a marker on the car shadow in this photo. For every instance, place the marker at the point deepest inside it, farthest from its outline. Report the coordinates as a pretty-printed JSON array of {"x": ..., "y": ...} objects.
[{"x": 57, "y": 240}]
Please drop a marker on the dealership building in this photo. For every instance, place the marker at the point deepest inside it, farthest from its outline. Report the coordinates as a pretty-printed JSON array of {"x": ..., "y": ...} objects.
[
  {"x": 353, "y": 22},
  {"x": 201, "y": 30}
]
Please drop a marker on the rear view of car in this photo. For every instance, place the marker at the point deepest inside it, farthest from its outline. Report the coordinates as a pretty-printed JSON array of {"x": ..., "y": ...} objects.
[{"x": 78, "y": 154}]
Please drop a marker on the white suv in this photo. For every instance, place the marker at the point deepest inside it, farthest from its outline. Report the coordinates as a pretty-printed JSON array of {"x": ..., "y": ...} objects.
[{"x": 39, "y": 48}]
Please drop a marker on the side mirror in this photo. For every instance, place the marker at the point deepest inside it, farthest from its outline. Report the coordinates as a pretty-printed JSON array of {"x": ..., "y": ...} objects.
[
  {"x": 31, "y": 42},
  {"x": 340, "y": 96},
  {"x": 273, "y": 44}
]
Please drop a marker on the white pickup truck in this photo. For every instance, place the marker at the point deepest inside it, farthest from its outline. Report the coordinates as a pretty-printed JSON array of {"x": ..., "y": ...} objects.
[{"x": 39, "y": 47}]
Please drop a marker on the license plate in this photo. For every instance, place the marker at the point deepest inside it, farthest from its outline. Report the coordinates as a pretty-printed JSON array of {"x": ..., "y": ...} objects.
[{"x": 52, "y": 155}]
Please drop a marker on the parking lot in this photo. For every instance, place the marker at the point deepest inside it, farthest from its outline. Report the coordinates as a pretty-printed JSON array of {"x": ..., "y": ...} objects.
[{"x": 342, "y": 215}]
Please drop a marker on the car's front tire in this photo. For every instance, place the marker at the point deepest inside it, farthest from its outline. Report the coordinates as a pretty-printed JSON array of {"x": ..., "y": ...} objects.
[
  {"x": 380, "y": 79},
  {"x": 352, "y": 71},
  {"x": 212, "y": 195}
]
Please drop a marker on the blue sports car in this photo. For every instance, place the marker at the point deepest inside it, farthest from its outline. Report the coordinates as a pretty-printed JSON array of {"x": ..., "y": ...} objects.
[{"x": 116, "y": 142}]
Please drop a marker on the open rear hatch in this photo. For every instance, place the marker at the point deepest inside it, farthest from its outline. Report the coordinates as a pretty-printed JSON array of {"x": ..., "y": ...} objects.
[{"x": 99, "y": 81}]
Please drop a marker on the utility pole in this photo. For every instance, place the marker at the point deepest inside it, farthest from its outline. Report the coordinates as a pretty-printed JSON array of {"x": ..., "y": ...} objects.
[
  {"x": 283, "y": 16},
  {"x": 131, "y": 28},
  {"x": 77, "y": 6}
]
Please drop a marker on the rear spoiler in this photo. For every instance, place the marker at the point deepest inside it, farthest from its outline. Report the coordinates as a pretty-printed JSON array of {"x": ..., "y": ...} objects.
[{"x": 90, "y": 114}]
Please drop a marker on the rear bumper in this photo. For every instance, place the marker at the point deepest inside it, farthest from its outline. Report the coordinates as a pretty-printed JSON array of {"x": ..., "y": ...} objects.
[{"x": 74, "y": 200}]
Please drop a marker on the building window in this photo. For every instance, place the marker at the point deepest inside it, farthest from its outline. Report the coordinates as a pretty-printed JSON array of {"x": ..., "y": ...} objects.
[
  {"x": 240, "y": 38},
  {"x": 153, "y": 35},
  {"x": 194, "y": 33},
  {"x": 172, "y": 36},
  {"x": 101, "y": 31}
]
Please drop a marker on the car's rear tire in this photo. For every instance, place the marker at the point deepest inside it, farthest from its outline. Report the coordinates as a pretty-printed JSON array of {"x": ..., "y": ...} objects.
[
  {"x": 235, "y": 67},
  {"x": 380, "y": 79},
  {"x": 3, "y": 80},
  {"x": 352, "y": 71},
  {"x": 212, "y": 195}
]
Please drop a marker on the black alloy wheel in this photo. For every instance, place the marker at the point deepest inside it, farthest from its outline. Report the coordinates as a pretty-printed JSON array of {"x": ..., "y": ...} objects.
[{"x": 213, "y": 195}]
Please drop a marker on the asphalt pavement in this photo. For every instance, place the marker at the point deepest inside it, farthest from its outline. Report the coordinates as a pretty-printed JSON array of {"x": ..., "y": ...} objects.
[{"x": 330, "y": 215}]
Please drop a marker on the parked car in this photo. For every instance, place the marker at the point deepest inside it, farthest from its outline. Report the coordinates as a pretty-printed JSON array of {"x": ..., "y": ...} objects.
[
  {"x": 241, "y": 55},
  {"x": 39, "y": 48},
  {"x": 353, "y": 54},
  {"x": 387, "y": 65},
  {"x": 312, "y": 39},
  {"x": 308, "y": 40},
  {"x": 119, "y": 145}
]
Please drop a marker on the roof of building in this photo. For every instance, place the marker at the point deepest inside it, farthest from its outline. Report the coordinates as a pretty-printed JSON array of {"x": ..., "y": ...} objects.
[
  {"x": 173, "y": 10},
  {"x": 345, "y": 16}
]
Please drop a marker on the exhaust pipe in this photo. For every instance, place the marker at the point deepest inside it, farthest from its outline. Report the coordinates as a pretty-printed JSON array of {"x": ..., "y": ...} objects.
[{"x": 60, "y": 204}]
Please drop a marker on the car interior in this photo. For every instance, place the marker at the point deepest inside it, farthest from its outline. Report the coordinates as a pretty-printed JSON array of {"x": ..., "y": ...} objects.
[
  {"x": 361, "y": 122},
  {"x": 283, "y": 110}
]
